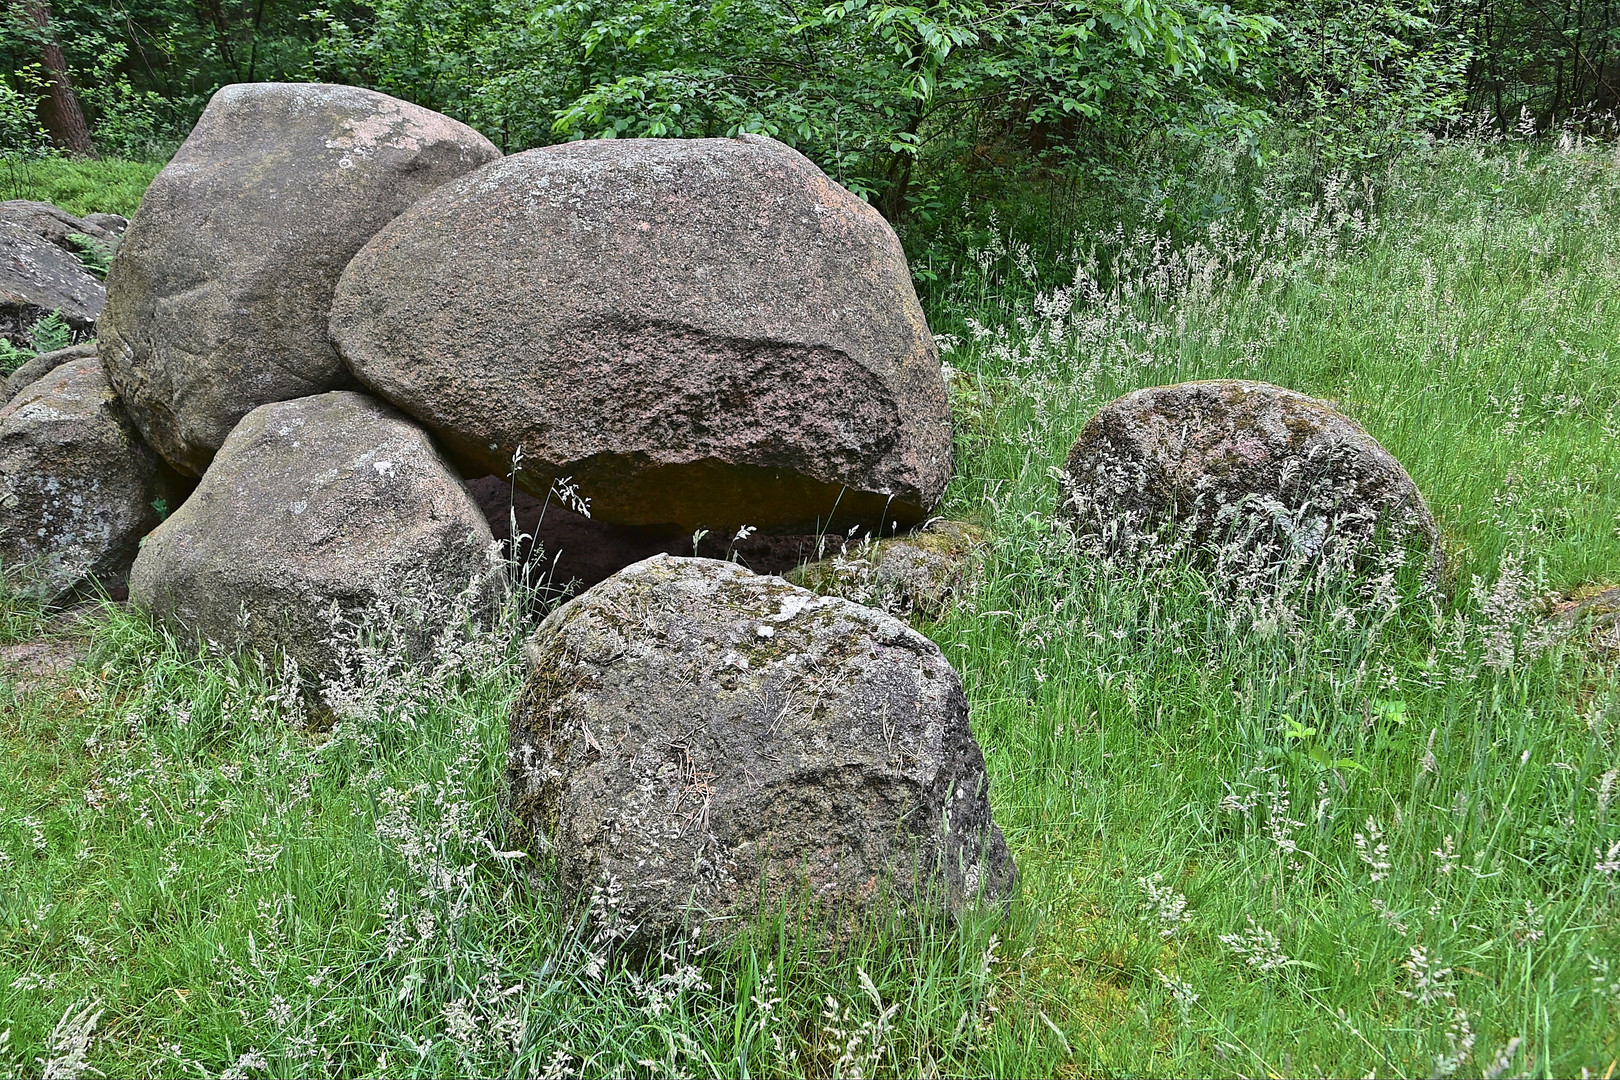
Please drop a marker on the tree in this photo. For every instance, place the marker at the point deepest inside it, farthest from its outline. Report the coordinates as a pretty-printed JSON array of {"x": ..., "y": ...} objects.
[{"x": 59, "y": 107}]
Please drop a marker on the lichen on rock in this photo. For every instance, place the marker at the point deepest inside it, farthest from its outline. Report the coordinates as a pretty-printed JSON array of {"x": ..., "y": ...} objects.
[
  {"x": 1234, "y": 466},
  {"x": 697, "y": 738}
]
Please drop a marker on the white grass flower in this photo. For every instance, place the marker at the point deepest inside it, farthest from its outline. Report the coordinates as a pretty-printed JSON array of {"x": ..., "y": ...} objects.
[
  {"x": 1257, "y": 947},
  {"x": 69, "y": 1043},
  {"x": 1182, "y": 994},
  {"x": 1167, "y": 907},
  {"x": 1430, "y": 982},
  {"x": 1372, "y": 849}
]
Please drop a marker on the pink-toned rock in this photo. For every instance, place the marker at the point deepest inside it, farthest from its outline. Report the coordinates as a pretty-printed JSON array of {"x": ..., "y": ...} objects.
[
  {"x": 701, "y": 333},
  {"x": 1246, "y": 463},
  {"x": 218, "y": 298}
]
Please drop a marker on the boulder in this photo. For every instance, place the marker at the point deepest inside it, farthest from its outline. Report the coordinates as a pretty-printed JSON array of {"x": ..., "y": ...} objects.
[
  {"x": 921, "y": 573},
  {"x": 1270, "y": 473},
  {"x": 78, "y": 488},
  {"x": 45, "y": 363},
  {"x": 329, "y": 500},
  {"x": 1590, "y": 616},
  {"x": 219, "y": 294},
  {"x": 37, "y": 278},
  {"x": 58, "y": 226},
  {"x": 692, "y": 738},
  {"x": 700, "y": 333}
]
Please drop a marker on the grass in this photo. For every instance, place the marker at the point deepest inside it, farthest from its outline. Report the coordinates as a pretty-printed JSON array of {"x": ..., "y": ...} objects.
[
  {"x": 78, "y": 185},
  {"x": 1338, "y": 829}
]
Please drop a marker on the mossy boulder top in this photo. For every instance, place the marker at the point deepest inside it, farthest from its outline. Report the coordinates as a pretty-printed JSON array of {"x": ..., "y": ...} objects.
[
  {"x": 1232, "y": 461},
  {"x": 219, "y": 294},
  {"x": 701, "y": 333},
  {"x": 693, "y": 737}
]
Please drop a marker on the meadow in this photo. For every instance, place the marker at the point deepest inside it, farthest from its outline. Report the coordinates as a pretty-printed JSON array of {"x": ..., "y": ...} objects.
[{"x": 1331, "y": 826}]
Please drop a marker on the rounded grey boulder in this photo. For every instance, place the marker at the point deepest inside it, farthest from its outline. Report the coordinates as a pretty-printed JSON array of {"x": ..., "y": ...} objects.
[
  {"x": 330, "y": 500},
  {"x": 692, "y": 738},
  {"x": 77, "y": 485},
  {"x": 42, "y": 365},
  {"x": 1233, "y": 462},
  {"x": 219, "y": 294},
  {"x": 703, "y": 332},
  {"x": 37, "y": 278}
]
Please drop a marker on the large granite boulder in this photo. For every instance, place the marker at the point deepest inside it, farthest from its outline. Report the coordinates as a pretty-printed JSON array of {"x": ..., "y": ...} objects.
[
  {"x": 692, "y": 737},
  {"x": 78, "y": 488},
  {"x": 701, "y": 333},
  {"x": 1248, "y": 464},
  {"x": 334, "y": 500},
  {"x": 37, "y": 278},
  {"x": 60, "y": 227},
  {"x": 219, "y": 294},
  {"x": 31, "y": 371}
]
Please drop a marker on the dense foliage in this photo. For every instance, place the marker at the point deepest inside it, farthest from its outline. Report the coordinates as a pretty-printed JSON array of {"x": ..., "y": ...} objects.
[{"x": 923, "y": 107}]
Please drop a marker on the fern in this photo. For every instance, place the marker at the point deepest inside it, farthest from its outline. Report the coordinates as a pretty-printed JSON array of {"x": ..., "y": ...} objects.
[
  {"x": 50, "y": 333},
  {"x": 92, "y": 253}
]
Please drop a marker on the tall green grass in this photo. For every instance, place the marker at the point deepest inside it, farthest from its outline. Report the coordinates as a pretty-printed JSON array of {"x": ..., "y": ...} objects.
[
  {"x": 78, "y": 185},
  {"x": 1339, "y": 830}
]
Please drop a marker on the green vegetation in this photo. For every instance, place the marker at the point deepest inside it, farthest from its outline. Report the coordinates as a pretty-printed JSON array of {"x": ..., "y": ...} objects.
[
  {"x": 907, "y": 103},
  {"x": 1334, "y": 828},
  {"x": 78, "y": 185}
]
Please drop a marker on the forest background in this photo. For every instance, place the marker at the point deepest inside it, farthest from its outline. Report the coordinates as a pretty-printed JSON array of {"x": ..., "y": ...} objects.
[{"x": 940, "y": 113}]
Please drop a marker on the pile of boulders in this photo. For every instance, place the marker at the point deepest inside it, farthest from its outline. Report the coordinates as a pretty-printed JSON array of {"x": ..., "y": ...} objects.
[
  {"x": 334, "y": 309},
  {"x": 363, "y": 336}
]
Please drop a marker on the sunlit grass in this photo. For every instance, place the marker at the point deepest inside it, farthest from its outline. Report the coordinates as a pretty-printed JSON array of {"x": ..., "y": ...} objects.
[{"x": 78, "y": 185}]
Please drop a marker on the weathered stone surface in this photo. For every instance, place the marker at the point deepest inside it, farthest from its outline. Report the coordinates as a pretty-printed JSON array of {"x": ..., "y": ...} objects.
[
  {"x": 58, "y": 226},
  {"x": 219, "y": 294},
  {"x": 1246, "y": 462},
  {"x": 76, "y": 484},
  {"x": 334, "y": 499},
  {"x": 692, "y": 736},
  {"x": 919, "y": 573},
  {"x": 45, "y": 363},
  {"x": 37, "y": 278},
  {"x": 1591, "y": 616},
  {"x": 701, "y": 333}
]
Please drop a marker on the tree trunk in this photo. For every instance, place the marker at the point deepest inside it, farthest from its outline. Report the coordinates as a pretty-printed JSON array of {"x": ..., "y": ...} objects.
[{"x": 60, "y": 110}]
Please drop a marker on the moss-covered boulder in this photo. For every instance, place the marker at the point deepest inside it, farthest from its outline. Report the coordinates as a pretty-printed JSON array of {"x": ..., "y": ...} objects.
[
  {"x": 919, "y": 573},
  {"x": 1267, "y": 473},
  {"x": 692, "y": 738}
]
